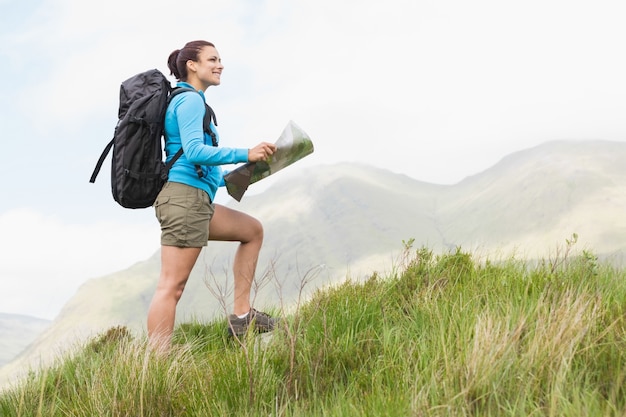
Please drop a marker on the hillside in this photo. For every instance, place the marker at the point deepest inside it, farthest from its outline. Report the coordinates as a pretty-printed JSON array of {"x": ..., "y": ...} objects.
[
  {"x": 537, "y": 197},
  {"x": 444, "y": 335},
  {"x": 16, "y": 333},
  {"x": 349, "y": 220}
]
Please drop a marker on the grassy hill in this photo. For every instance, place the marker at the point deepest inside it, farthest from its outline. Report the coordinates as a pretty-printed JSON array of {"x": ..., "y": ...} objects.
[
  {"x": 345, "y": 220},
  {"x": 442, "y": 335}
]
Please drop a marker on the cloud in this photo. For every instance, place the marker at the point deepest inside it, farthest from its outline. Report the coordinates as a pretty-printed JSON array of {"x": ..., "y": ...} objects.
[{"x": 402, "y": 84}]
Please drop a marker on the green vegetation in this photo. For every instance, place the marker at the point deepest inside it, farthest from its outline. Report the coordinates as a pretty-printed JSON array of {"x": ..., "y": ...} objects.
[{"x": 445, "y": 335}]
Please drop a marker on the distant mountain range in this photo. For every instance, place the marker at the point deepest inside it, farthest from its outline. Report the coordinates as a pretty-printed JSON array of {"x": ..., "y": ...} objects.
[
  {"x": 349, "y": 220},
  {"x": 16, "y": 333}
]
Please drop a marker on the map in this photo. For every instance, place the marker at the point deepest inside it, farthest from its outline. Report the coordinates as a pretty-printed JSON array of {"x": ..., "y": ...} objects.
[{"x": 292, "y": 145}]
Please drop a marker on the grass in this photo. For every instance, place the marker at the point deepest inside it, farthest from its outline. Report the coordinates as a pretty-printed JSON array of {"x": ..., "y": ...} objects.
[{"x": 445, "y": 335}]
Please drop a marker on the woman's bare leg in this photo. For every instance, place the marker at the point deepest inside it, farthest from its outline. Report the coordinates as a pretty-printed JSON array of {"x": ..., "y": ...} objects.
[
  {"x": 176, "y": 265},
  {"x": 232, "y": 225}
]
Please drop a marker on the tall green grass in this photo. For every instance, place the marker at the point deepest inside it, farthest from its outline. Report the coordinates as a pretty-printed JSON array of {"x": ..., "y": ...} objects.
[{"x": 445, "y": 335}]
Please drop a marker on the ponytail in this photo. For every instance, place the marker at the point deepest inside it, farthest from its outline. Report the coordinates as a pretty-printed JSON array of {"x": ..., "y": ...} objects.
[
  {"x": 171, "y": 64},
  {"x": 177, "y": 61}
]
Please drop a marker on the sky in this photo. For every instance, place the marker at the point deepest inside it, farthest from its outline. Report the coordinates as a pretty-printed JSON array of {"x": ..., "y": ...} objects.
[{"x": 438, "y": 90}]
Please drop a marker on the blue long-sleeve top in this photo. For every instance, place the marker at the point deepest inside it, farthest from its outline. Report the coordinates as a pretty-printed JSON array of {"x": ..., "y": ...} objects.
[{"x": 184, "y": 127}]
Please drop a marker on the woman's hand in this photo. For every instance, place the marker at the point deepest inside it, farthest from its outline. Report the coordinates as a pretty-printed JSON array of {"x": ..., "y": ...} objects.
[{"x": 261, "y": 152}]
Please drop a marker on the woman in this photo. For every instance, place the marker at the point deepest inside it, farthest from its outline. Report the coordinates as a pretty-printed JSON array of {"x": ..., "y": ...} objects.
[{"x": 185, "y": 207}]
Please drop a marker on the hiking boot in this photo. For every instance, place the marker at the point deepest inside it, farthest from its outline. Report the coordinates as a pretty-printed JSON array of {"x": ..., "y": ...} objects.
[{"x": 262, "y": 323}]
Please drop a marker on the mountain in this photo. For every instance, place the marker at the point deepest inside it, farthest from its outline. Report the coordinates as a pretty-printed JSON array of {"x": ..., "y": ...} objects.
[
  {"x": 534, "y": 199},
  {"x": 330, "y": 222},
  {"x": 16, "y": 333}
]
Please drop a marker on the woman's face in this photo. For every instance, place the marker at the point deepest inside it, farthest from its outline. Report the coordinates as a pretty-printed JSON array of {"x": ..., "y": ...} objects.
[{"x": 209, "y": 66}]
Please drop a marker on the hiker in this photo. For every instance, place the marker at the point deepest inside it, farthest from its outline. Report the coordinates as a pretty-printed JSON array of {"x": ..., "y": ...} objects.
[{"x": 185, "y": 208}]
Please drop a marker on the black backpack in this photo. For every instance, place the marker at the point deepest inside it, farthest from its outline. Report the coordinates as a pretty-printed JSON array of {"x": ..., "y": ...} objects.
[{"x": 137, "y": 168}]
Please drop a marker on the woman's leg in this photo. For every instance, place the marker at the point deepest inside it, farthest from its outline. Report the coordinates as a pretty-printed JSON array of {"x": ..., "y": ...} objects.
[
  {"x": 176, "y": 265},
  {"x": 232, "y": 225}
]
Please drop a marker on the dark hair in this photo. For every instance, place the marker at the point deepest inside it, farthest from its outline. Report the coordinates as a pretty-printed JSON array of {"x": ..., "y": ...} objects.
[{"x": 177, "y": 61}]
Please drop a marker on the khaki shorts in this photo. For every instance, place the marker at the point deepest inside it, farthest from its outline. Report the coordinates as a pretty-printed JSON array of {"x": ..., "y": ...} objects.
[{"x": 184, "y": 213}]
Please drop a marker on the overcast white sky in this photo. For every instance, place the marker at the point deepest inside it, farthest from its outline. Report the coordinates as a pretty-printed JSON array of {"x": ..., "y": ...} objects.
[{"x": 435, "y": 89}]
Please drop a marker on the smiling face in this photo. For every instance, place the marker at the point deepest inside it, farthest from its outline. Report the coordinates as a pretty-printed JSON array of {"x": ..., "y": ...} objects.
[{"x": 207, "y": 70}]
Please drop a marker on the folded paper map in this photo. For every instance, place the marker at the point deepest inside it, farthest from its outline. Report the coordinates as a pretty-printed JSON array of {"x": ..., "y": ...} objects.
[{"x": 292, "y": 145}]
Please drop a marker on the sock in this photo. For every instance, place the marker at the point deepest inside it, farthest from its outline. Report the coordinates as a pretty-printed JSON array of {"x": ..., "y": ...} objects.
[{"x": 243, "y": 316}]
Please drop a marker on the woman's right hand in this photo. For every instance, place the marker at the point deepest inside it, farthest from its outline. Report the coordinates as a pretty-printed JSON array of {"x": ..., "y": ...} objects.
[{"x": 261, "y": 152}]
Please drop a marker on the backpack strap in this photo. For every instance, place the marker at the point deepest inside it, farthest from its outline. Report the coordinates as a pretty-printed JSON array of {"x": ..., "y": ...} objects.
[
  {"x": 178, "y": 154},
  {"x": 209, "y": 116},
  {"x": 101, "y": 161},
  {"x": 107, "y": 149}
]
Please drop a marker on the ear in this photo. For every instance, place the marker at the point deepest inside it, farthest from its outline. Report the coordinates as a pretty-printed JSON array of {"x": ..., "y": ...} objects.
[{"x": 191, "y": 65}]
